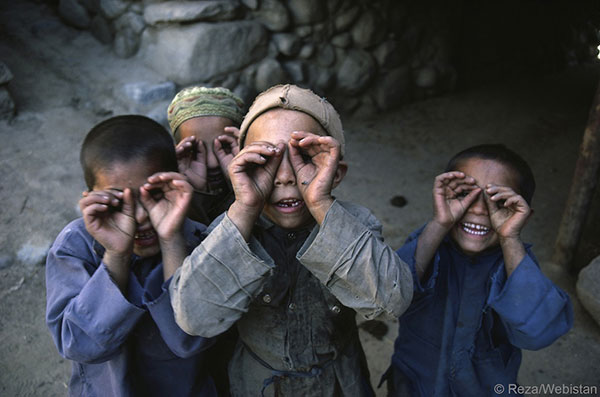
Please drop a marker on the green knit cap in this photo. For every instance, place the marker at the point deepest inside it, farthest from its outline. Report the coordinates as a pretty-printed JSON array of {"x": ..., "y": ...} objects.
[{"x": 199, "y": 101}]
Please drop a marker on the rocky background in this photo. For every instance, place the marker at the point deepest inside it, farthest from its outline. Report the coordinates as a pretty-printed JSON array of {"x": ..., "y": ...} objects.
[{"x": 352, "y": 51}]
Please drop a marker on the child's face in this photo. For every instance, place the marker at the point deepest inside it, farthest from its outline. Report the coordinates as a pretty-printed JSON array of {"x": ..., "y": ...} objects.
[
  {"x": 285, "y": 206},
  {"x": 474, "y": 233},
  {"x": 132, "y": 175},
  {"x": 207, "y": 129}
]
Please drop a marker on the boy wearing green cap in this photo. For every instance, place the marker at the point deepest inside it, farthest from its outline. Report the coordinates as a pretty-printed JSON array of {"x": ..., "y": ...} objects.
[
  {"x": 204, "y": 122},
  {"x": 288, "y": 263}
]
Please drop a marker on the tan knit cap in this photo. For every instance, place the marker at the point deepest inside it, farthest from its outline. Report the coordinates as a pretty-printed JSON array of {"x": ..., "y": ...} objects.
[
  {"x": 295, "y": 98},
  {"x": 199, "y": 101}
]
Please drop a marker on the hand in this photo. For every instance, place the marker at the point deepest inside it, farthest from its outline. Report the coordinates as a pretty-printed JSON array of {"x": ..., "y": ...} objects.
[
  {"x": 508, "y": 211},
  {"x": 191, "y": 161},
  {"x": 166, "y": 197},
  {"x": 226, "y": 147},
  {"x": 109, "y": 217},
  {"x": 252, "y": 173},
  {"x": 315, "y": 160},
  {"x": 453, "y": 193}
]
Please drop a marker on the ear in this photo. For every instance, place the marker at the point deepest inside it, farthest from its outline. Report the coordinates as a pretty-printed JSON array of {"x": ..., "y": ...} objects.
[{"x": 340, "y": 173}]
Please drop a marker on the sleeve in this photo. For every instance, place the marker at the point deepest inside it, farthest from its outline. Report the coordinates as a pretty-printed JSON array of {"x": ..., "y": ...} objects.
[
  {"x": 534, "y": 311},
  {"x": 158, "y": 301},
  {"x": 348, "y": 255},
  {"x": 407, "y": 254},
  {"x": 216, "y": 283},
  {"x": 87, "y": 315}
]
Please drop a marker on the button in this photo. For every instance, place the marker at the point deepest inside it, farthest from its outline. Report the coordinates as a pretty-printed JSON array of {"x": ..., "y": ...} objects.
[
  {"x": 291, "y": 235},
  {"x": 336, "y": 309},
  {"x": 292, "y": 306},
  {"x": 267, "y": 298}
]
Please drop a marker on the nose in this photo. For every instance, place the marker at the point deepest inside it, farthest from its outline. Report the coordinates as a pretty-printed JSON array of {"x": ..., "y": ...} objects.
[
  {"x": 141, "y": 215},
  {"x": 479, "y": 206},
  {"x": 211, "y": 157},
  {"x": 285, "y": 173}
]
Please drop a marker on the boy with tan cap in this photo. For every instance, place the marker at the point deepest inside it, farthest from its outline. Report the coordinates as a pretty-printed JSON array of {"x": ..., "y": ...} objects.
[{"x": 289, "y": 263}]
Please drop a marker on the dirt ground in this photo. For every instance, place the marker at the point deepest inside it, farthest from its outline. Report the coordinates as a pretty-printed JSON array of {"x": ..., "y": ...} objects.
[{"x": 65, "y": 82}]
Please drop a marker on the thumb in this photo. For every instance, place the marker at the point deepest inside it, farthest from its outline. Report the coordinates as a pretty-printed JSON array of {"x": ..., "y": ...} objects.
[{"x": 128, "y": 207}]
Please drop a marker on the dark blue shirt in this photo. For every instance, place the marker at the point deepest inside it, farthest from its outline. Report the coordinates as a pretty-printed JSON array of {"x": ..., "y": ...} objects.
[
  {"x": 466, "y": 325},
  {"x": 120, "y": 345}
]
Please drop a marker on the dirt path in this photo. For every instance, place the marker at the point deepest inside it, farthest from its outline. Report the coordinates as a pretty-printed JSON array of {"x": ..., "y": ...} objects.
[{"x": 65, "y": 82}]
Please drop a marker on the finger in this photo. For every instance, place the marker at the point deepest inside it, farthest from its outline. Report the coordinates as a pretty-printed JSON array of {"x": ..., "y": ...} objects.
[
  {"x": 94, "y": 210},
  {"x": 444, "y": 178},
  {"x": 110, "y": 198},
  {"x": 241, "y": 161},
  {"x": 262, "y": 149},
  {"x": 470, "y": 198},
  {"x": 491, "y": 189},
  {"x": 234, "y": 131},
  {"x": 128, "y": 207},
  {"x": 501, "y": 195},
  {"x": 185, "y": 145}
]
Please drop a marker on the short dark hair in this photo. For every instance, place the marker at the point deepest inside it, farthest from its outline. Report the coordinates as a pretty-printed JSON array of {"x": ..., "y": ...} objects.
[
  {"x": 501, "y": 154},
  {"x": 123, "y": 139}
]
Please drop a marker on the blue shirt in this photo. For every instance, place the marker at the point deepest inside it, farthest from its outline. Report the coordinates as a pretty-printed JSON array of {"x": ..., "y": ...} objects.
[
  {"x": 466, "y": 325},
  {"x": 120, "y": 345}
]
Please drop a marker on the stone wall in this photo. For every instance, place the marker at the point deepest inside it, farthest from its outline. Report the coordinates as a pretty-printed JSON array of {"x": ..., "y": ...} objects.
[{"x": 363, "y": 55}]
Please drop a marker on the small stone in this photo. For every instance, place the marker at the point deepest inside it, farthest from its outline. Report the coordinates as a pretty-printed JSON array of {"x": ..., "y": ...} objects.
[
  {"x": 287, "y": 43},
  {"x": 398, "y": 201},
  {"x": 295, "y": 69},
  {"x": 112, "y": 8},
  {"x": 74, "y": 13},
  {"x": 5, "y": 73},
  {"x": 304, "y": 31},
  {"x": 588, "y": 288},
  {"x": 190, "y": 11},
  {"x": 101, "y": 29},
  {"x": 342, "y": 40},
  {"x": 425, "y": 77},
  {"x": 368, "y": 30},
  {"x": 145, "y": 93},
  {"x": 307, "y": 51},
  {"x": 126, "y": 43},
  {"x": 251, "y": 4},
  {"x": 33, "y": 254},
  {"x": 306, "y": 12},
  {"x": 7, "y": 105},
  {"x": 269, "y": 73},
  {"x": 130, "y": 21},
  {"x": 345, "y": 19},
  {"x": 325, "y": 55},
  {"x": 273, "y": 15},
  {"x": 356, "y": 71}
]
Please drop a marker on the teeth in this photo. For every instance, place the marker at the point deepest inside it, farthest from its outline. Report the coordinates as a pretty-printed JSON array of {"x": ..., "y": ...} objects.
[
  {"x": 473, "y": 228},
  {"x": 144, "y": 235},
  {"x": 289, "y": 203}
]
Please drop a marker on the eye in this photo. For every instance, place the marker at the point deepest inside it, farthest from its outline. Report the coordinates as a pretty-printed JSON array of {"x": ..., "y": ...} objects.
[
  {"x": 306, "y": 158},
  {"x": 156, "y": 194}
]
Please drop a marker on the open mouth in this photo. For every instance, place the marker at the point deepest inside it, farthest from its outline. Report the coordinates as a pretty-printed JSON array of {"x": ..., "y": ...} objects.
[
  {"x": 289, "y": 205},
  {"x": 146, "y": 238},
  {"x": 475, "y": 229}
]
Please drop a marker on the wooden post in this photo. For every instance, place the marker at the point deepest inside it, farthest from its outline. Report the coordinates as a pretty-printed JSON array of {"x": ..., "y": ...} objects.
[{"x": 584, "y": 183}]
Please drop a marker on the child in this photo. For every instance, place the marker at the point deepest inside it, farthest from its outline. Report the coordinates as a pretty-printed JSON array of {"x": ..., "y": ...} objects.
[
  {"x": 287, "y": 262},
  {"x": 204, "y": 122},
  {"x": 480, "y": 296},
  {"x": 107, "y": 273}
]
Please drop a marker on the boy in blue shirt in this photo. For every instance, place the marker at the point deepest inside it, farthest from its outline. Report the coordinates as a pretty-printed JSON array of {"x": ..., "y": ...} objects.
[
  {"x": 107, "y": 273},
  {"x": 480, "y": 296}
]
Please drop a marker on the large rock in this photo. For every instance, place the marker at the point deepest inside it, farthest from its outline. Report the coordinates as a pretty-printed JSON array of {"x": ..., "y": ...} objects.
[
  {"x": 307, "y": 51},
  {"x": 305, "y": 12},
  {"x": 112, "y": 8},
  {"x": 391, "y": 54},
  {"x": 191, "y": 11},
  {"x": 342, "y": 40},
  {"x": 199, "y": 52},
  {"x": 588, "y": 288},
  {"x": 295, "y": 69},
  {"x": 346, "y": 18},
  {"x": 269, "y": 73},
  {"x": 130, "y": 21},
  {"x": 369, "y": 30},
  {"x": 251, "y": 4},
  {"x": 326, "y": 55},
  {"x": 393, "y": 88},
  {"x": 126, "y": 43},
  {"x": 33, "y": 254},
  {"x": 5, "y": 73},
  {"x": 145, "y": 93},
  {"x": 7, "y": 105},
  {"x": 356, "y": 71},
  {"x": 273, "y": 15},
  {"x": 74, "y": 13}
]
